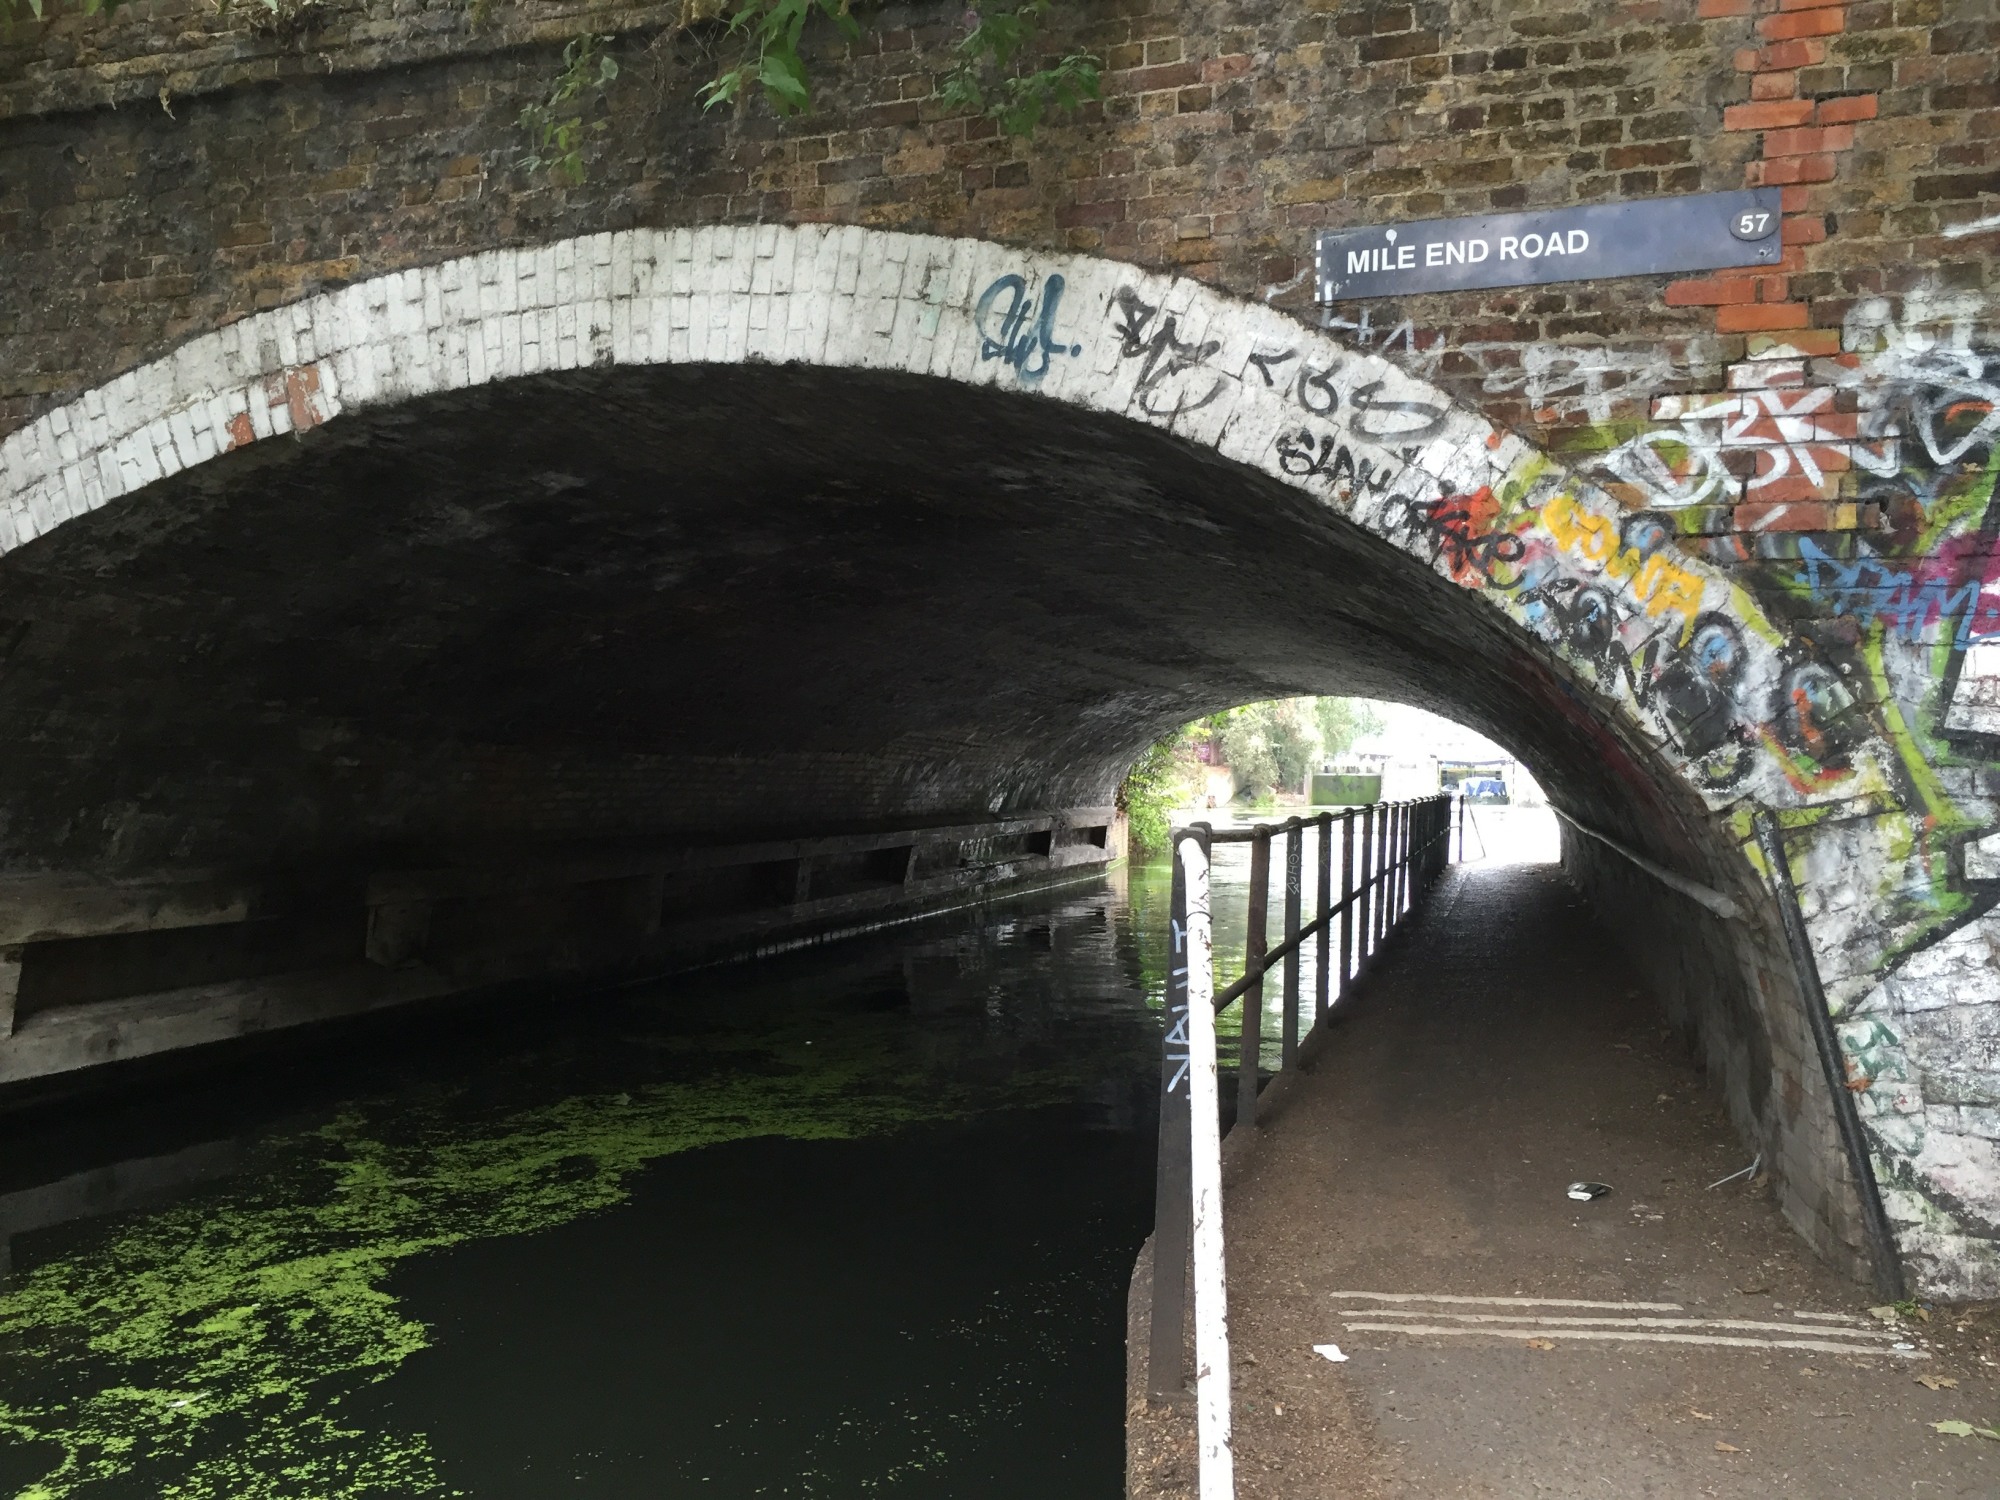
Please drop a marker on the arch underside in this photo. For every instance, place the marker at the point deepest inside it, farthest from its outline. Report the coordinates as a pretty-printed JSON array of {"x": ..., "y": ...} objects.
[
  {"x": 855, "y": 595},
  {"x": 761, "y": 534}
]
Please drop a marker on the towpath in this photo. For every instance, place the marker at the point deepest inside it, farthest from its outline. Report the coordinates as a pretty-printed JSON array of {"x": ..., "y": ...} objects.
[{"x": 1406, "y": 1201}]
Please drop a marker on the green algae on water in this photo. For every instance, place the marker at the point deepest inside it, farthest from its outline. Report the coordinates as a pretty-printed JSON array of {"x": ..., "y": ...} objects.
[{"x": 205, "y": 1351}]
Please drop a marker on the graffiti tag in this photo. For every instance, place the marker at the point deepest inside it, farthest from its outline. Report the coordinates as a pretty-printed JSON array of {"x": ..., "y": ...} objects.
[
  {"x": 1025, "y": 336},
  {"x": 1165, "y": 357}
]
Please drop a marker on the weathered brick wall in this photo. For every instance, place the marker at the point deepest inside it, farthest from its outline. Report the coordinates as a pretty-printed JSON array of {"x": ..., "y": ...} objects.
[
  {"x": 1823, "y": 432},
  {"x": 1227, "y": 136}
]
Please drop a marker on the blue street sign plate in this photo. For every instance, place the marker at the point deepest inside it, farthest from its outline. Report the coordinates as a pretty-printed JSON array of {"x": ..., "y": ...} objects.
[{"x": 1588, "y": 242}]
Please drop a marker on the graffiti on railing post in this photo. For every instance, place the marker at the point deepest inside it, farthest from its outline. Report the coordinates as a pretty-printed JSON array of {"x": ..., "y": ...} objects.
[{"x": 1173, "y": 1176}]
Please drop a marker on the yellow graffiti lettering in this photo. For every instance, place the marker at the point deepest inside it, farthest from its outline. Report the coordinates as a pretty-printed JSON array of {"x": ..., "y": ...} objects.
[
  {"x": 1658, "y": 581},
  {"x": 1679, "y": 591},
  {"x": 1579, "y": 531},
  {"x": 1664, "y": 586}
]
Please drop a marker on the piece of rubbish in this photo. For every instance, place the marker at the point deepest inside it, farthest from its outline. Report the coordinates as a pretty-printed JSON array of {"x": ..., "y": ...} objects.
[
  {"x": 1541, "y": 1344},
  {"x": 1965, "y": 1429},
  {"x": 1936, "y": 1382},
  {"x": 1330, "y": 1352},
  {"x": 1903, "y": 1344},
  {"x": 1583, "y": 1192},
  {"x": 1885, "y": 1312},
  {"x": 1701, "y": 1416},
  {"x": 1749, "y": 1171},
  {"x": 1722, "y": 1447}
]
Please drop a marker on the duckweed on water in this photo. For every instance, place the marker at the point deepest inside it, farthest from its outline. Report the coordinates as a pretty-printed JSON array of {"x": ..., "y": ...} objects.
[{"x": 208, "y": 1348}]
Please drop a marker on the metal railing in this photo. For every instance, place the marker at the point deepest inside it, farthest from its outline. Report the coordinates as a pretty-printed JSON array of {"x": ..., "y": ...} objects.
[{"x": 1390, "y": 853}]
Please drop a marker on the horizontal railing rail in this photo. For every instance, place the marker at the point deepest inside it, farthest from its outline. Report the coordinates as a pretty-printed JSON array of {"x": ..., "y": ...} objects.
[{"x": 1390, "y": 853}]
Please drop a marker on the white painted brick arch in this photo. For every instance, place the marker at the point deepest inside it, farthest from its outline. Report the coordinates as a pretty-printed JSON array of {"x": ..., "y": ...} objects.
[{"x": 1250, "y": 382}]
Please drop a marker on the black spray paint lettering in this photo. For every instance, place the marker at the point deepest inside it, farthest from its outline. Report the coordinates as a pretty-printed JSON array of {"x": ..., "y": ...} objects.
[
  {"x": 1265, "y": 363},
  {"x": 1026, "y": 349},
  {"x": 1305, "y": 456},
  {"x": 1165, "y": 354},
  {"x": 1394, "y": 421},
  {"x": 1314, "y": 389},
  {"x": 1447, "y": 525},
  {"x": 1316, "y": 392}
]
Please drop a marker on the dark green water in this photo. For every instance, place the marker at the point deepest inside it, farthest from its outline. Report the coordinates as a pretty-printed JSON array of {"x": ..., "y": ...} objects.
[{"x": 854, "y": 1221}]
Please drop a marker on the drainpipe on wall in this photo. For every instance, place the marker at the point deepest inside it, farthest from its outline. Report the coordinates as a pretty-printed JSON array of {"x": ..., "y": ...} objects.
[{"x": 1882, "y": 1252}]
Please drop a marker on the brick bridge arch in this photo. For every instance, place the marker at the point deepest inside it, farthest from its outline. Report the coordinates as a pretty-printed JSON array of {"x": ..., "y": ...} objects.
[
  {"x": 1679, "y": 702},
  {"x": 1670, "y": 646}
]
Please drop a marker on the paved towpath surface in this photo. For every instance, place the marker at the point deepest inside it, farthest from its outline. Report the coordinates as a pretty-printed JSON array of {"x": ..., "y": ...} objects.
[{"x": 1504, "y": 1049}]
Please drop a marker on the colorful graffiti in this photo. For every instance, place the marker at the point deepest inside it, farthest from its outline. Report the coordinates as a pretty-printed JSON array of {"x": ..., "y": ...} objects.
[{"x": 1848, "y": 671}]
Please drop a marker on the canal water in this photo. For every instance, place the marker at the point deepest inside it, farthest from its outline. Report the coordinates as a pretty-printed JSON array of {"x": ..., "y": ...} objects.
[{"x": 853, "y": 1221}]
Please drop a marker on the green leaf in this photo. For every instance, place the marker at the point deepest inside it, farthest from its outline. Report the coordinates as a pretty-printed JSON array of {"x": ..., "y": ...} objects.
[
  {"x": 723, "y": 88},
  {"x": 783, "y": 77},
  {"x": 1953, "y": 1429}
]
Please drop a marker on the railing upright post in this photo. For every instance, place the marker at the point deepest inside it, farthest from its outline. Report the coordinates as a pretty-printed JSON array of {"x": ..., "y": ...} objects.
[
  {"x": 1405, "y": 820},
  {"x": 1173, "y": 1181},
  {"x": 1322, "y": 971},
  {"x": 1255, "y": 941},
  {"x": 1214, "y": 1460},
  {"x": 1365, "y": 893},
  {"x": 1346, "y": 901},
  {"x": 1390, "y": 913},
  {"x": 1295, "y": 870},
  {"x": 1382, "y": 842},
  {"x": 1402, "y": 862},
  {"x": 1461, "y": 828}
]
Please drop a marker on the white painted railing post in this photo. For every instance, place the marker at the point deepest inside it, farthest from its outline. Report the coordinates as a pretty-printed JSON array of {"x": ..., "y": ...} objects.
[{"x": 1211, "y": 1295}]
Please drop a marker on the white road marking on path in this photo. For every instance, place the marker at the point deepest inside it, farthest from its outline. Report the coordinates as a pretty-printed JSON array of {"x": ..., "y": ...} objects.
[
  {"x": 1740, "y": 1324},
  {"x": 1507, "y": 1301},
  {"x": 1824, "y": 1346}
]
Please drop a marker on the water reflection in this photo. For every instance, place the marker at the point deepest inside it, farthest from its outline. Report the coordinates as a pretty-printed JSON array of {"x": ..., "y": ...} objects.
[{"x": 855, "y": 1220}]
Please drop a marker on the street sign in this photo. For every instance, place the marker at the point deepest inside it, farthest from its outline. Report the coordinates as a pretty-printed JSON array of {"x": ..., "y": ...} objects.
[{"x": 1586, "y": 242}]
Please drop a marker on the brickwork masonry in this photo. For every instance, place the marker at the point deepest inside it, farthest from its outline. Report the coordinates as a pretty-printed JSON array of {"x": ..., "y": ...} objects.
[
  {"x": 1382, "y": 450},
  {"x": 1749, "y": 521}
]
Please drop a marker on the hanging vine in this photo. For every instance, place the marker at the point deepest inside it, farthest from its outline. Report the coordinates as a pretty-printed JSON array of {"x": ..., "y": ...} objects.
[
  {"x": 988, "y": 75},
  {"x": 557, "y": 126}
]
